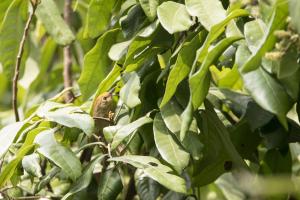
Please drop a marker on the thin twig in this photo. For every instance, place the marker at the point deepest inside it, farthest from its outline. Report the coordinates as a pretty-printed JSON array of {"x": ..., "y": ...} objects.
[
  {"x": 18, "y": 62},
  {"x": 29, "y": 197},
  {"x": 90, "y": 144},
  {"x": 67, "y": 73}
]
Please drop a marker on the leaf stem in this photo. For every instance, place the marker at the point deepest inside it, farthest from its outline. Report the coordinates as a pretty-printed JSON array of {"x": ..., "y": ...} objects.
[{"x": 18, "y": 62}]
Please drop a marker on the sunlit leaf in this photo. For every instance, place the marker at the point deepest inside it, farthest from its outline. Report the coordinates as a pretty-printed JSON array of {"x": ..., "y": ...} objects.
[
  {"x": 28, "y": 145},
  {"x": 227, "y": 78},
  {"x": 155, "y": 170},
  {"x": 199, "y": 82},
  {"x": 58, "y": 154},
  {"x": 117, "y": 51},
  {"x": 174, "y": 17},
  {"x": 11, "y": 30},
  {"x": 70, "y": 116},
  {"x": 294, "y": 7},
  {"x": 277, "y": 21},
  {"x": 31, "y": 165},
  {"x": 8, "y": 134},
  {"x": 96, "y": 64},
  {"x": 271, "y": 95},
  {"x": 149, "y": 7},
  {"x": 48, "y": 13},
  {"x": 126, "y": 130},
  {"x": 130, "y": 91},
  {"x": 182, "y": 67},
  {"x": 96, "y": 25},
  {"x": 254, "y": 33},
  {"x": 209, "y": 12},
  {"x": 168, "y": 147}
]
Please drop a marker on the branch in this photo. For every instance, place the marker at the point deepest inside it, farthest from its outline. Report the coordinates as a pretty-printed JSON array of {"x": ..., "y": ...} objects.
[
  {"x": 18, "y": 62},
  {"x": 67, "y": 73}
]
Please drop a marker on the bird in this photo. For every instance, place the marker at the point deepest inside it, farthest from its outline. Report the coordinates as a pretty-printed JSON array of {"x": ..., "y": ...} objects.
[{"x": 102, "y": 113}]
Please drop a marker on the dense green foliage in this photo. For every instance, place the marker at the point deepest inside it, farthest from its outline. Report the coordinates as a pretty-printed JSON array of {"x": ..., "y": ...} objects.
[{"x": 206, "y": 94}]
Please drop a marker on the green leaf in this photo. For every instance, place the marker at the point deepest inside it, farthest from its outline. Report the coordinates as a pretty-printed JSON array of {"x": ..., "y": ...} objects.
[
  {"x": 289, "y": 59},
  {"x": 227, "y": 78},
  {"x": 155, "y": 170},
  {"x": 171, "y": 115},
  {"x": 199, "y": 82},
  {"x": 277, "y": 162},
  {"x": 219, "y": 153},
  {"x": 117, "y": 51},
  {"x": 69, "y": 116},
  {"x": 110, "y": 185},
  {"x": 4, "y": 84},
  {"x": 149, "y": 7},
  {"x": 133, "y": 21},
  {"x": 85, "y": 179},
  {"x": 144, "y": 50},
  {"x": 298, "y": 109},
  {"x": 9, "y": 169},
  {"x": 254, "y": 33},
  {"x": 209, "y": 12},
  {"x": 31, "y": 73},
  {"x": 271, "y": 96},
  {"x": 47, "y": 52},
  {"x": 48, "y": 13},
  {"x": 127, "y": 129},
  {"x": 174, "y": 17},
  {"x": 289, "y": 77},
  {"x": 182, "y": 66},
  {"x": 147, "y": 188},
  {"x": 148, "y": 30},
  {"x": 28, "y": 145},
  {"x": 98, "y": 17},
  {"x": 216, "y": 31},
  {"x": 168, "y": 147},
  {"x": 47, "y": 178},
  {"x": 187, "y": 119},
  {"x": 139, "y": 52},
  {"x": 191, "y": 142},
  {"x": 8, "y": 135},
  {"x": 294, "y": 7},
  {"x": 110, "y": 131},
  {"x": 277, "y": 22},
  {"x": 11, "y": 30},
  {"x": 129, "y": 93},
  {"x": 63, "y": 157},
  {"x": 96, "y": 63},
  {"x": 245, "y": 140},
  {"x": 3, "y": 7},
  {"x": 138, "y": 46},
  {"x": 31, "y": 165}
]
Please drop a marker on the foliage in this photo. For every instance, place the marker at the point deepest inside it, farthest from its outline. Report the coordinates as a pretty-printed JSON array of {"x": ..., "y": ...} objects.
[{"x": 206, "y": 94}]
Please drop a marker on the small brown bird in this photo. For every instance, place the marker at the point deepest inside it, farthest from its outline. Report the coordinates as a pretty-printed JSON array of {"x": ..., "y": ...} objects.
[
  {"x": 102, "y": 111},
  {"x": 103, "y": 106}
]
